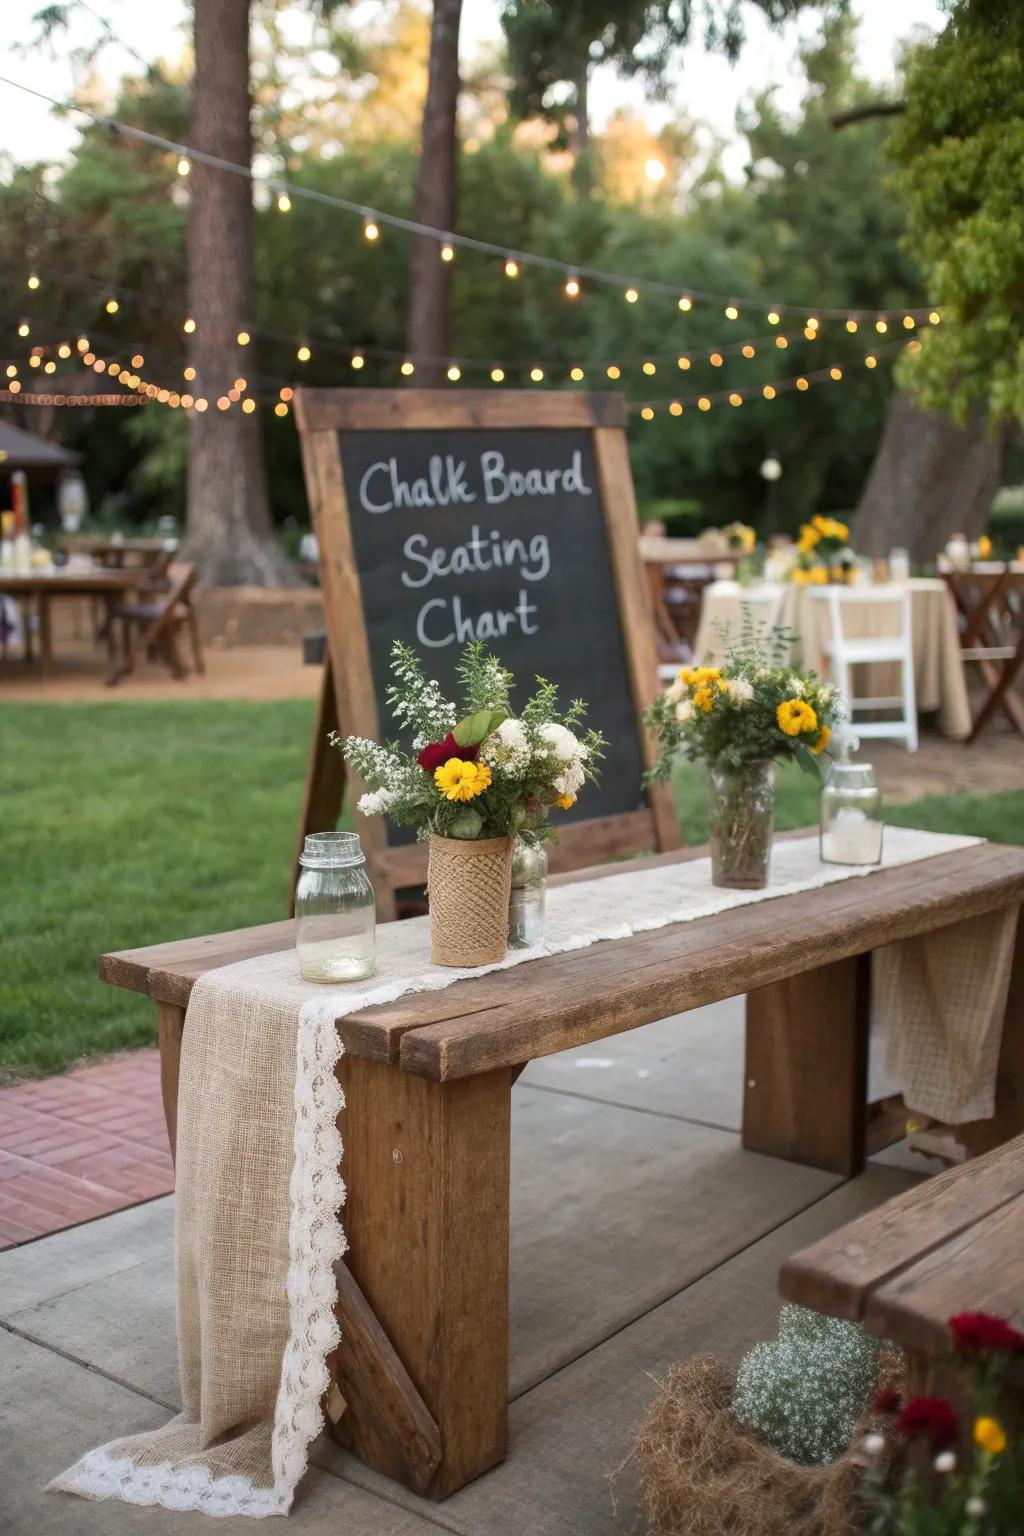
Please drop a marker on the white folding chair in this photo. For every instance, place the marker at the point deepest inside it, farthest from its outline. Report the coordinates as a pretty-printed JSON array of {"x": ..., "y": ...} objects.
[{"x": 845, "y": 651}]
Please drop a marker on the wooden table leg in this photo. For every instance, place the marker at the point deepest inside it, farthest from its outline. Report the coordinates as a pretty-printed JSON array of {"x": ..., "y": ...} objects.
[
  {"x": 1008, "y": 1121},
  {"x": 45, "y": 635},
  {"x": 170, "y": 1025},
  {"x": 427, "y": 1218},
  {"x": 806, "y": 1078}
]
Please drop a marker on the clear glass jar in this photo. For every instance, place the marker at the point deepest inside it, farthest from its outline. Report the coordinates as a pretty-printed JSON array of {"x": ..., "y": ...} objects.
[
  {"x": 851, "y": 815},
  {"x": 335, "y": 910},
  {"x": 526, "y": 901},
  {"x": 741, "y": 818}
]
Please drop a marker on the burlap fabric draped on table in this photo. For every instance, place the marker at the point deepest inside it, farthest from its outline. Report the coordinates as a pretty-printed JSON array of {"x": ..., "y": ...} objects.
[{"x": 259, "y": 1189}]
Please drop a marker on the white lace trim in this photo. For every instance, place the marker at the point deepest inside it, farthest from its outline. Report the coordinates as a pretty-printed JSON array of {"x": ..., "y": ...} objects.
[{"x": 100, "y": 1476}]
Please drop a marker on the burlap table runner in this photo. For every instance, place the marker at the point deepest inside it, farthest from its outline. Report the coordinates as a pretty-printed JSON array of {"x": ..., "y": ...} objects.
[{"x": 259, "y": 1189}]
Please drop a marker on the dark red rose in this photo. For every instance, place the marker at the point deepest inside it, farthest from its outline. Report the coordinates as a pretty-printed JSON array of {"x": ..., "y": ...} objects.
[
  {"x": 436, "y": 753},
  {"x": 978, "y": 1331},
  {"x": 930, "y": 1416},
  {"x": 887, "y": 1400}
]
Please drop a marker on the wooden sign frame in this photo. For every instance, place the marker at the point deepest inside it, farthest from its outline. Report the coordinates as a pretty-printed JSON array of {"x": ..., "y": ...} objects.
[{"x": 347, "y": 700}]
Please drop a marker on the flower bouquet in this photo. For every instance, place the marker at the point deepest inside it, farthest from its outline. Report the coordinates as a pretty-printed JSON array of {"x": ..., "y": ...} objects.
[
  {"x": 823, "y": 553},
  {"x": 474, "y": 778},
  {"x": 741, "y": 718},
  {"x": 742, "y": 541}
]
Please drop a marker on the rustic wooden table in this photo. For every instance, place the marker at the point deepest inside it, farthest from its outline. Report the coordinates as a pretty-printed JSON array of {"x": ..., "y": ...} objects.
[
  {"x": 108, "y": 585},
  {"x": 424, "y": 1289}
]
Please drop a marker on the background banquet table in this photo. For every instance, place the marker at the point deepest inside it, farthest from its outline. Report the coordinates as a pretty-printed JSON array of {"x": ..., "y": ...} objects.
[{"x": 938, "y": 668}]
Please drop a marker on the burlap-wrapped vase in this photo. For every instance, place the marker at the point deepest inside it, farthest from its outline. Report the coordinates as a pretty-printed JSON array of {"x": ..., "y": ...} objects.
[{"x": 468, "y": 884}]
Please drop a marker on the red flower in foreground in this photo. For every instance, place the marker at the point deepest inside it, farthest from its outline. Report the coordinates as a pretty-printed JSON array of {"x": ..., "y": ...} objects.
[
  {"x": 887, "y": 1400},
  {"x": 436, "y": 753},
  {"x": 977, "y": 1331},
  {"x": 931, "y": 1416}
]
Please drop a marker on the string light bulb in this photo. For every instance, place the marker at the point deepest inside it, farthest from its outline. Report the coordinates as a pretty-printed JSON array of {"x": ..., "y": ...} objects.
[
  {"x": 24, "y": 329},
  {"x": 63, "y": 350},
  {"x": 802, "y": 383},
  {"x": 735, "y": 398},
  {"x": 683, "y": 362},
  {"x": 248, "y": 406},
  {"x": 286, "y": 393},
  {"x": 35, "y": 360},
  {"x": 812, "y": 322},
  {"x": 511, "y": 267},
  {"x": 631, "y": 295},
  {"x": 536, "y": 374},
  {"x": 284, "y": 202},
  {"x": 408, "y": 367},
  {"x": 201, "y": 404},
  {"x": 358, "y": 360},
  {"x": 614, "y": 371},
  {"x": 371, "y": 229},
  {"x": 934, "y": 317},
  {"x": 703, "y": 404},
  {"x": 572, "y": 287},
  {"x": 851, "y": 325},
  {"x": 280, "y": 409},
  {"x": 303, "y": 354},
  {"x": 769, "y": 391},
  {"x": 871, "y": 361},
  {"x": 184, "y": 165},
  {"x": 716, "y": 359},
  {"x": 498, "y": 375},
  {"x": 686, "y": 303},
  {"x": 12, "y": 372},
  {"x": 33, "y": 280},
  {"x": 241, "y": 385},
  {"x": 781, "y": 343},
  {"x": 138, "y": 361},
  {"x": 447, "y": 251},
  {"x": 835, "y": 373},
  {"x": 675, "y": 409},
  {"x": 455, "y": 373},
  {"x": 88, "y": 358},
  {"x": 189, "y": 374},
  {"x": 810, "y": 334},
  {"x": 576, "y": 374},
  {"x": 881, "y": 326},
  {"x": 909, "y": 322},
  {"x": 82, "y": 343},
  {"x": 649, "y": 367},
  {"x": 749, "y": 351},
  {"x": 188, "y": 326},
  {"x": 111, "y": 306},
  {"x": 773, "y": 317},
  {"x": 243, "y": 338},
  {"x": 731, "y": 312},
  {"x": 647, "y": 413},
  {"x": 14, "y": 386}
]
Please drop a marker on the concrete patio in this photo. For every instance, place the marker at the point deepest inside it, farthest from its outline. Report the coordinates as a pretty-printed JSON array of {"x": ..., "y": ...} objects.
[{"x": 642, "y": 1233}]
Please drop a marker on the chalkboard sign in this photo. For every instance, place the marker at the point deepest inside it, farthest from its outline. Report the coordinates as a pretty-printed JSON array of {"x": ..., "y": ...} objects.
[{"x": 445, "y": 517}]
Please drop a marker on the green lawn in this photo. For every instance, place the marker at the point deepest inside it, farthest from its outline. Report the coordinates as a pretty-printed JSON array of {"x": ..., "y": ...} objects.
[{"x": 125, "y": 824}]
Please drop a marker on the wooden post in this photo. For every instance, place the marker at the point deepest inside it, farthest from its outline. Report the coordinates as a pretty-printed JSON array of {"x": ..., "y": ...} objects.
[
  {"x": 806, "y": 1077},
  {"x": 325, "y": 778},
  {"x": 427, "y": 1218},
  {"x": 170, "y": 1026}
]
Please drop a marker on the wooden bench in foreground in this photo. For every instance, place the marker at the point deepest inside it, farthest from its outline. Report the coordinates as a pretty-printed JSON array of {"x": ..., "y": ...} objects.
[
  {"x": 424, "y": 1292},
  {"x": 952, "y": 1244}
]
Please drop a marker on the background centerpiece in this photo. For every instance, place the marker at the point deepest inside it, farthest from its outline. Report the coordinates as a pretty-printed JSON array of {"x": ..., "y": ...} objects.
[
  {"x": 474, "y": 778},
  {"x": 741, "y": 718}
]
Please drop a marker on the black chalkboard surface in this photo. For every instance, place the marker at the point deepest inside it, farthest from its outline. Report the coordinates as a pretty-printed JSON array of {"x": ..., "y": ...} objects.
[
  {"x": 496, "y": 536},
  {"x": 504, "y": 516}
]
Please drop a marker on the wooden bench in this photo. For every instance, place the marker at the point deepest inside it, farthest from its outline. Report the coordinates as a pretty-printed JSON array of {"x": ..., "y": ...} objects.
[
  {"x": 424, "y": 1299},
  {"x": 953, "y": 1244}
]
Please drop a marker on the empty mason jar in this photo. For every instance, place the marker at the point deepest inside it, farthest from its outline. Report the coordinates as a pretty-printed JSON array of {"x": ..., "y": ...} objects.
[
  {"x": 851, "y": 815},
  {"x": 526, "y": 901},
  {"x": 335, "y": 910}
]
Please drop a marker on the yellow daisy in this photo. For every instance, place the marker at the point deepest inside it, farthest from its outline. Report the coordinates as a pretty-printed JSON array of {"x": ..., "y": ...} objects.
[
  {"x": 459, "y": 780},
  {"x": 795, "y": 716},
  {"x": 823, "y": 739},
  {"x": 704, "y": 697},
  {"x": 564, "y": 801},
  {"x": 990, "y": 1436}
]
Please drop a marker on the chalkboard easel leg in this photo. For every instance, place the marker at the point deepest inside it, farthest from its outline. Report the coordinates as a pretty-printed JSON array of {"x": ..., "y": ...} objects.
[{"x": 325, "y": 780}]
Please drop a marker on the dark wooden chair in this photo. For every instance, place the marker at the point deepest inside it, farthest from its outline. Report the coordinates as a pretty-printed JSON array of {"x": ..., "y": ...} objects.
[
  {"x": 990, "y": 616},
  {"x": 149, "y": 626}
]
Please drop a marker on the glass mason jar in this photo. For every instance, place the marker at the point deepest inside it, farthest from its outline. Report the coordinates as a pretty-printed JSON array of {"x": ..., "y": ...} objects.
[
  {"x": 851, "y": 815},
  {"x": 741, "y": 816},
  {"x": 335, "y": 910},
  {"x": 526, "y": 902}
]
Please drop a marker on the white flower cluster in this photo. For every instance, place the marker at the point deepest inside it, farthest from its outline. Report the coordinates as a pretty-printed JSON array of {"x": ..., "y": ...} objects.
[
  {"x": 568, "y": 750},
  {"x": 741, "y": 690},
  {"x": 508, "y": 748},
  {"x": 376, "y": 802},
  {"x": 417, "y": 703},
  {"x": 804, "y": 1391}
]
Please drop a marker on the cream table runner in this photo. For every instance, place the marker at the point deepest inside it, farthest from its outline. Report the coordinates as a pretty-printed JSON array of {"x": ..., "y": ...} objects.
[{"x": 258, "y": 1187}]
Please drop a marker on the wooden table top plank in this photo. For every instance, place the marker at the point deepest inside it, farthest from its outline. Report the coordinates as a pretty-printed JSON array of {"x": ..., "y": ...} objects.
[
  {"x": 83, "y": 582},
  {"x": 585, "y": 995},
  {"x": 841, "y": 1273},
  {"x": 981, "y": 1269}
]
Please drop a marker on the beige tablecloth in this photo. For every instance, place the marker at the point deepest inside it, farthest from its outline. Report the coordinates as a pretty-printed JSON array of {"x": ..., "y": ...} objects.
[{"x": 938, "y": 670}]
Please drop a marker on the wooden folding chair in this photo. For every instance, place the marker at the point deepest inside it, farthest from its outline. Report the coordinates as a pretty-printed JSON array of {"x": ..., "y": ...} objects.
[
  {"x": 990, "y": 617},
  {"x": 149, "y": 626}
]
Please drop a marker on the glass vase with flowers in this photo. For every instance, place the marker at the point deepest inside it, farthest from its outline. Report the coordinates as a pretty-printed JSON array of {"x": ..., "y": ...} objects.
[
  {"x": 472, "y": 779},
  {"x": 741, "y": 719}
]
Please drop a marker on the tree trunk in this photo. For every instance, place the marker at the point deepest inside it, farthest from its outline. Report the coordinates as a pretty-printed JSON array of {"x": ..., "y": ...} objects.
[
  {"x": 930, "y": 479},
  {"x": 228, "y": 532},
  {"x": 579, "y": 133},
  {"x": 430, "y": 278}
]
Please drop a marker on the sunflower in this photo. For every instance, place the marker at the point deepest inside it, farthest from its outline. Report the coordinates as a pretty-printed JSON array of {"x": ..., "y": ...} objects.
[
  {"x": 459, "y": 780},
  {"x": 821, "y": 742},
  {"x": 794, "y": 716}
]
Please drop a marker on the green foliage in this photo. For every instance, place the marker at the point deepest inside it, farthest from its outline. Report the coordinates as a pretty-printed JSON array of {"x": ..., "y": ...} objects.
[
  {"x": 959, "y": 151},
  {"x": 804, "y": 1391}
]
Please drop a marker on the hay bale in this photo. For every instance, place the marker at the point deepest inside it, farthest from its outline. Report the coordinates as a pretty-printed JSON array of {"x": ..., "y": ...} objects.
[{"x": 704, "y": 1474}]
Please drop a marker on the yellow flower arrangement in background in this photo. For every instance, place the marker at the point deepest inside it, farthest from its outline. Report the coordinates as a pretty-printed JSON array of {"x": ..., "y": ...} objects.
[
  {"x": 989, "y": 1435},
  {"x": 795, "y": 716},
  {"x": 460, "y": 780}
]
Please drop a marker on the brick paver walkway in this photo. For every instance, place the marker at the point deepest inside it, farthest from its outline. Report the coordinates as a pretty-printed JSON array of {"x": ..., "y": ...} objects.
[{"x": 81, "y": 1145}]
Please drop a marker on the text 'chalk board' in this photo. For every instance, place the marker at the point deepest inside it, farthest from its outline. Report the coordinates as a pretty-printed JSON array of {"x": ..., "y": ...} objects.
[{"x": 496, "y": 535}]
